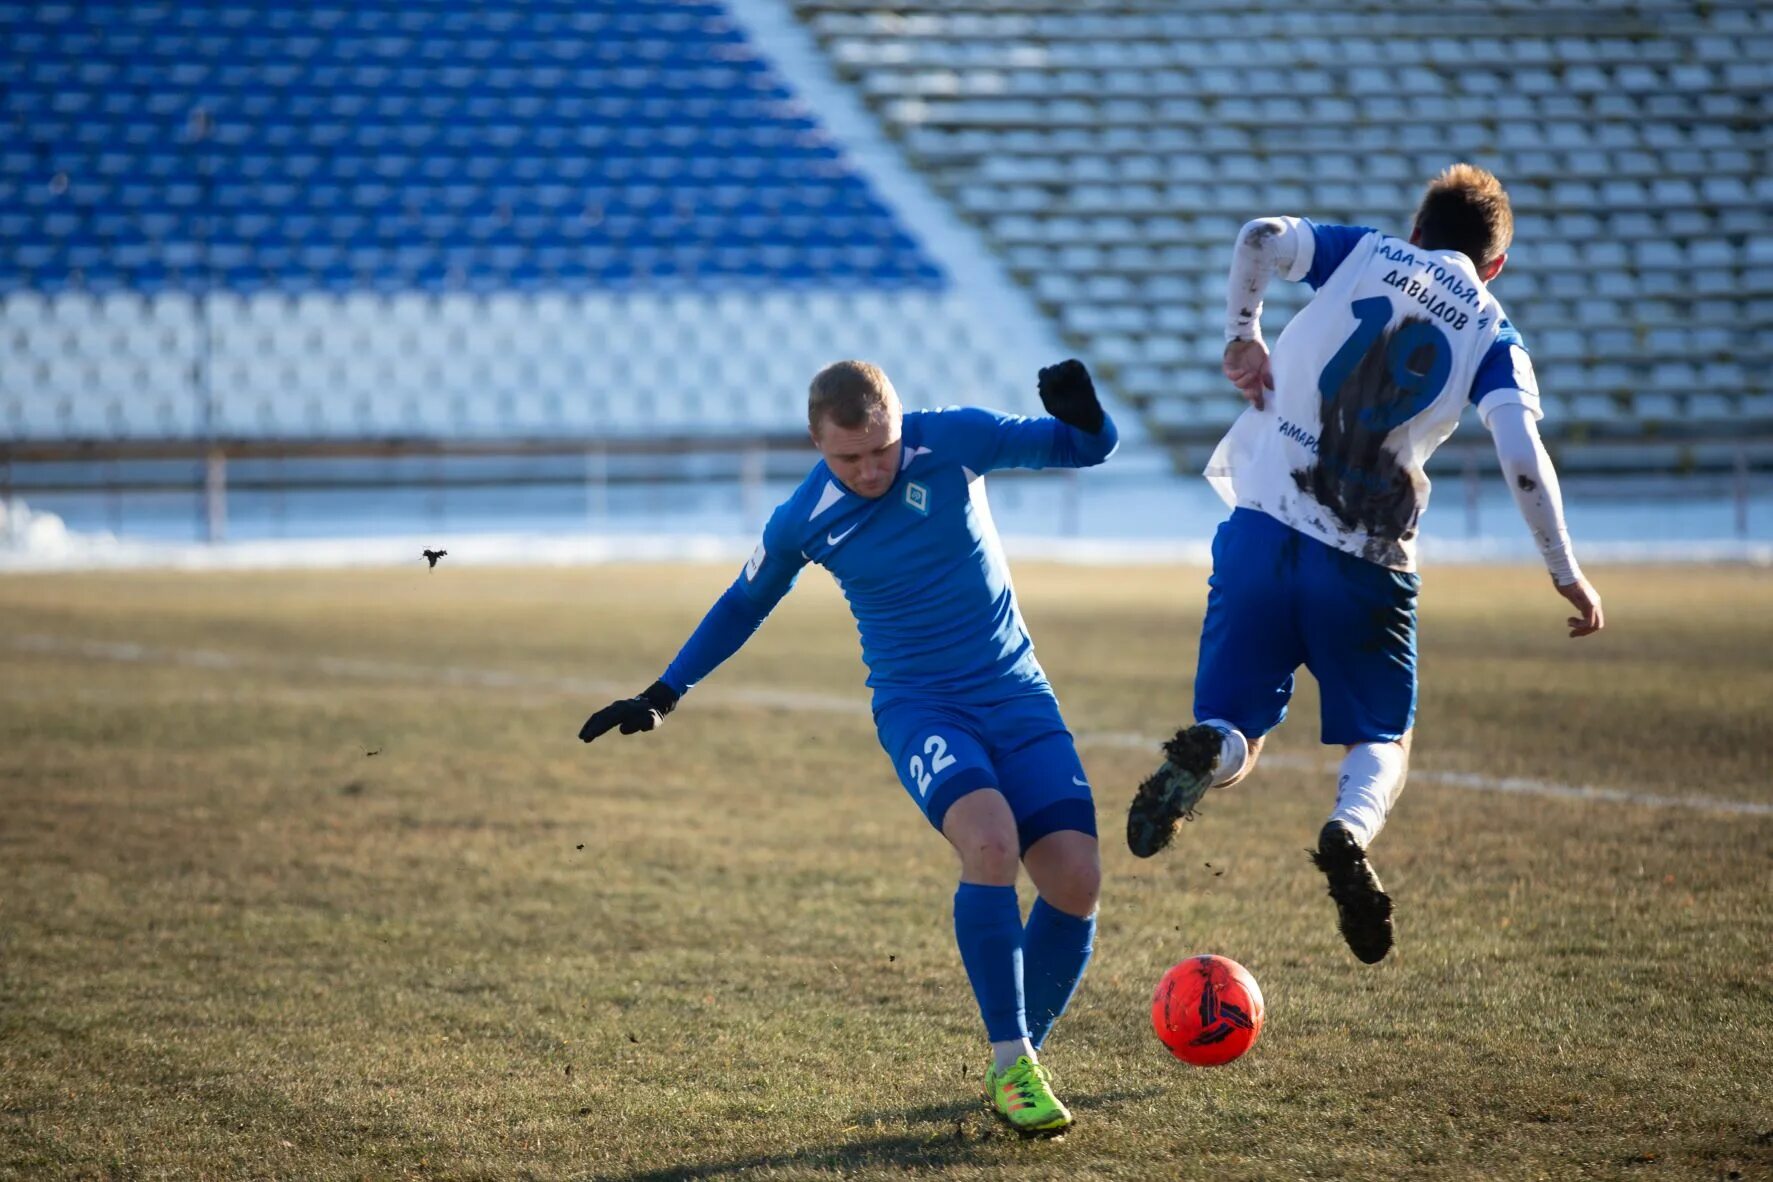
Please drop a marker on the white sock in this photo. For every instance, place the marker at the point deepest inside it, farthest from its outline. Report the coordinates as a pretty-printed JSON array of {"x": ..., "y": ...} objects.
[
  {"x": 1372, "y": 775},
  {"x": 1004, "y": 1054},
  {"x": 1234, "y": 750}
]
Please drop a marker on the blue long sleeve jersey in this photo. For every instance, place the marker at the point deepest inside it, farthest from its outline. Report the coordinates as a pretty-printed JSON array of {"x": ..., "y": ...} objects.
[{"x": 921, "y": 566}]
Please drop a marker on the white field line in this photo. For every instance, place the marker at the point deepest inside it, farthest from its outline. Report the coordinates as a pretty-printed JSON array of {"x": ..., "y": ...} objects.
[
  {"x": 1516, "y": 785},
  {"x": 806, "y": 702}
]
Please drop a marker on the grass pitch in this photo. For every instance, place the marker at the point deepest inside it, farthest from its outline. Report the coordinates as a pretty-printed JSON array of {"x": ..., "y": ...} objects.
[{"x": 235, "y": 943}]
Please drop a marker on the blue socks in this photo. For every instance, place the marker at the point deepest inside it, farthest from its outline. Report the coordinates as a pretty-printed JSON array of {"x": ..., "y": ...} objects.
[
  {"x": 1055, "y": 949},
  {"x": 1023, "y": 978},
  {"x": 988, "y": 928}
]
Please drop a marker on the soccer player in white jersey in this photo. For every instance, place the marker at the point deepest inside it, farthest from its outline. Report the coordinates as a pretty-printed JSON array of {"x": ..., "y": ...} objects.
[{"x": 1316, "y": 565}]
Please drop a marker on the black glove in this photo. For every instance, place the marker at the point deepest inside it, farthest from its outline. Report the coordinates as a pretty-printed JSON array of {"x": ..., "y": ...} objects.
[
  {"x": 1069, "y": 395},
  {"x": 632, "y": 714}
]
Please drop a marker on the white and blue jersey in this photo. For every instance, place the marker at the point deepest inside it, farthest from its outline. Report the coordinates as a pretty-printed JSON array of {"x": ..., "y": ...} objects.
[
  {"x": 1369, "y": 378},
  {"x": 959, "y": 699}
]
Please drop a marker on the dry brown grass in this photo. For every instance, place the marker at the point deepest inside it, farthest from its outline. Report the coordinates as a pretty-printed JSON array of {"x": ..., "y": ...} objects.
[{"x": 234, "y": 945}]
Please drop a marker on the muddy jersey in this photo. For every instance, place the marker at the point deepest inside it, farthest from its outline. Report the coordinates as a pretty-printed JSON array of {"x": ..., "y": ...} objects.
[{"x": 1369, "y": 378}]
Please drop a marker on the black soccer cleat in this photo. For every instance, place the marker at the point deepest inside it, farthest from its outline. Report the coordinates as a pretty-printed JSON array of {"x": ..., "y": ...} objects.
[
  {"x": 1363, "y": 908},
  {"x": 1170, "y": 794}
]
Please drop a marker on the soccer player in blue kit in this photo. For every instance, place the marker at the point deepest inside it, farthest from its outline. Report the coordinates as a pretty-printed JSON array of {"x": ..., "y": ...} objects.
[
  {"x": 1316, "y": 565},
  {"x": 896, "y": 511}
]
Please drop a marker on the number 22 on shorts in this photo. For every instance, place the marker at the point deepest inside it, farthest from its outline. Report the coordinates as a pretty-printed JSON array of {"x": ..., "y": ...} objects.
[{"x": 936, "y": 747}]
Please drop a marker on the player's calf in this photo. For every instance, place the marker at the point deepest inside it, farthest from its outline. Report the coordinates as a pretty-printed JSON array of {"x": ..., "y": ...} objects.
[
  {"x": 1367, "y": 785},
  {"x": 1208, "y": 754}
]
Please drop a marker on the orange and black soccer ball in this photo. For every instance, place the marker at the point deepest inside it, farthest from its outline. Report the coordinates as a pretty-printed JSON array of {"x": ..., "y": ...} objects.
[{"x": 1207, "y": 1010}]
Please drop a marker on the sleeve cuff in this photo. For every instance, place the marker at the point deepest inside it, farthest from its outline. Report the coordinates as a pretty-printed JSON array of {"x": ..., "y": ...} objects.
[{"x": 1508, "y": 396}]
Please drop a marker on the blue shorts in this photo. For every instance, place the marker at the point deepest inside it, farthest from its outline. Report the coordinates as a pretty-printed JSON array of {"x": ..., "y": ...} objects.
[
  {"x": 1280, "y": 599},
  {"x": 944, "y": 749}
]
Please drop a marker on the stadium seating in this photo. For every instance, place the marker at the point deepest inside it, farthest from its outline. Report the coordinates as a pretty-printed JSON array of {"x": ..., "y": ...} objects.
[
  {"x": 1109, "y": 152},
  {"x": 608, "y": 217},
  {"x": 601, "y": 217},
  {"x": 490, "y": 147}
]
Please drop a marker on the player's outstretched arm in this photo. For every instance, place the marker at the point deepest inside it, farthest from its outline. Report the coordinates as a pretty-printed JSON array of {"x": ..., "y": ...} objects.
[
  {"x": 1076, "y": 431},
  {"x": 735, "y": 616},
  {"x": 1534, "y": 483},
  {"x": 722, "y": 632}
]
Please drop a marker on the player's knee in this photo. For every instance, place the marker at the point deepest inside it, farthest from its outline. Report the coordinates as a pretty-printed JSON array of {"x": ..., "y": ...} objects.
[
  {"x": 1078, "y": 888},
  {"x": 989, "y": 858},
  {"x": 1067, "y": 870},
  {"x": 982, "y": 831},
  {"x": 987, "y": 855}
]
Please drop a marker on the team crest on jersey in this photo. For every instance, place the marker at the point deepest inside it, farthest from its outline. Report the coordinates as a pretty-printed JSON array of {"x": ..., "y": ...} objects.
[{"x": 918, "y": 497}]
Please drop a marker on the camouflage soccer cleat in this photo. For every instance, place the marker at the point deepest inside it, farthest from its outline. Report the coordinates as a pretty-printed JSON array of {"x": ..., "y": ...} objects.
[
  {"x": 1171, "y": 793},
  {"x": 1022, "y": 1094},
  {"x": 1363, "y": 908}
]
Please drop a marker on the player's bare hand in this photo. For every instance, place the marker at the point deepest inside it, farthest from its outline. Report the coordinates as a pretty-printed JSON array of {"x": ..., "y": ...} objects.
[
  {"x": 644, "y": 712},
  {"x": 1246, "y": 365},
  {"x": 1586, "y": 600}
]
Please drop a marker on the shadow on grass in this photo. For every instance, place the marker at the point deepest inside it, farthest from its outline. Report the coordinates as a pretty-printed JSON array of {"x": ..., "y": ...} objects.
[{"x": 954, "y": 1137}]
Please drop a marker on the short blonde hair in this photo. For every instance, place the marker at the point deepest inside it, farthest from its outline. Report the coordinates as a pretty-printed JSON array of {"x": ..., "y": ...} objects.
[
  {"x": 849, "y": 393},
  {"x": 1466, "y": 209}
]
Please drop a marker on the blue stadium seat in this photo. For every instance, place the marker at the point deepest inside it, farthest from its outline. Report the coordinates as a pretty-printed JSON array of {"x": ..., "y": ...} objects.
[{"x": 317, "y": 112}]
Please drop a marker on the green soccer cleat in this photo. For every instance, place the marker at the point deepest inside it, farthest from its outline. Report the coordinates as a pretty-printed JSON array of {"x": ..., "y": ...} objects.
[
  {"x": 1022, "y": 1094},
  {"x": 1171, "y": 793}
]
